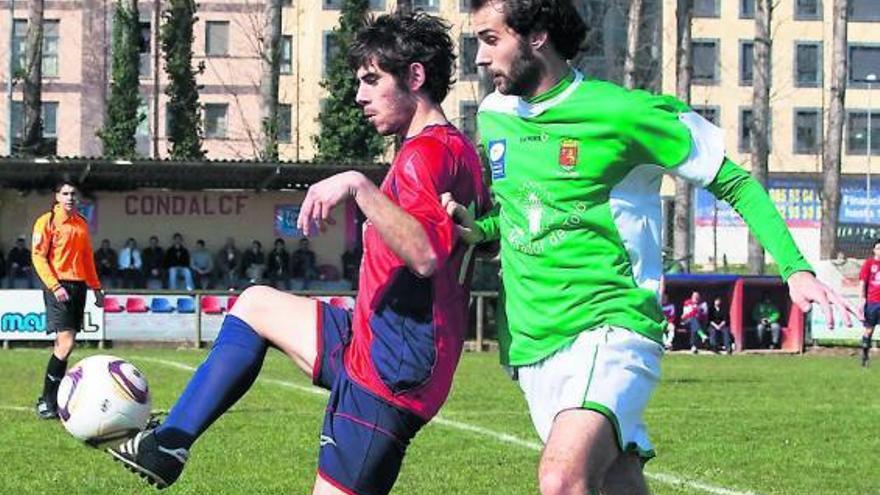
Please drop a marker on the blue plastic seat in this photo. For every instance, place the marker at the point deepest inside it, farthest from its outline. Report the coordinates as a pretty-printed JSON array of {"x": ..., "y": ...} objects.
[
  {"x": 186, "y": 305},
  {"x": 161, "y": 305}
]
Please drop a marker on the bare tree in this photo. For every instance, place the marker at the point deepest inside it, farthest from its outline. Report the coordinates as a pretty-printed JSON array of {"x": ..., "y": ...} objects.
[
  {"x": 760, "y": 124},
  {"x": 33, "y": 121},
  {"x": 634, "y": 20},
  {"x": 681, "y": 239},
  {"x": 270, "y": 65},
  {"x": 834, "y": 134}
]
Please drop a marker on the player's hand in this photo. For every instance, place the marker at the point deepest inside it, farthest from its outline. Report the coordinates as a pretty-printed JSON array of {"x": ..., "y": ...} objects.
[
  {"x": 323, "y": 196},
  {"x": 61, "y": 294},
  {"x": 464, "y": 221},
  {"x": 805, "y": 289},
  {"x": 99, "y": 298}
]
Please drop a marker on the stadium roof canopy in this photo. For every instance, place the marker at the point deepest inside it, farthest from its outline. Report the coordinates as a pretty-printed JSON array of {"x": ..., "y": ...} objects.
[{"x": 101, "y": 174}]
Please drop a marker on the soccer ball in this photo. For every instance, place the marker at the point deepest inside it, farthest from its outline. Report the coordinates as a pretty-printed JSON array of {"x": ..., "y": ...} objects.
[{"x": 103, "y": 399}]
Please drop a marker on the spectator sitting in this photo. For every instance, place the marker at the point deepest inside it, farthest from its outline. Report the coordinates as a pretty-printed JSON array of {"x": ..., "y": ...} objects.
[
  {"x": 229, "y": 262},
  {"x": 303, "y": 264},
  {"x": 106, "y": 261},
  {"x": 19, "y": 268},
  {"x": 279, "y": 266},
  {"x": 767, "y": 316},
  {"x": 693, "y": 314},
  {"x": 668, "y": 309},
  {"x": 718, "y": 324},
  {"x": 153, "y": 262},
  {"x": 130, "y": 265},
  {"x": 254, "y": 263},
  {"x": 202, "y": 264},
  {"x": 177, "y": 263},
  {"x": 351, "y": 266}
]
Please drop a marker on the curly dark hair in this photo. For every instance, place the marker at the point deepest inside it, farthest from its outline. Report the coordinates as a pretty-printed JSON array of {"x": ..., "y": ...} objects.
[
  {"x": 559, "y": 18},
  {"x": 397, "y": 40}
]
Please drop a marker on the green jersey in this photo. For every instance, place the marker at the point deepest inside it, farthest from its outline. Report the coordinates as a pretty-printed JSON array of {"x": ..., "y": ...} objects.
[{"x": 576, "y": 175}]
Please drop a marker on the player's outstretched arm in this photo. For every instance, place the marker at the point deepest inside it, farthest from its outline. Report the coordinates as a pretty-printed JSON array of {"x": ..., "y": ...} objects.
[
  {"x": 805, "y": 289},
  {"x": 400, "y": 231}
]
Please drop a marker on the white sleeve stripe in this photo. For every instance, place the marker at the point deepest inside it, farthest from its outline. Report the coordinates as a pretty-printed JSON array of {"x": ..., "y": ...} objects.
[{"x": 707, "y": 150}]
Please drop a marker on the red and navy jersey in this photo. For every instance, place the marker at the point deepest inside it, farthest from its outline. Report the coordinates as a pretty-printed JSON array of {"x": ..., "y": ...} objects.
[
  {"x": 408, "y": 330},
  {"x": 870, "y": 275}
]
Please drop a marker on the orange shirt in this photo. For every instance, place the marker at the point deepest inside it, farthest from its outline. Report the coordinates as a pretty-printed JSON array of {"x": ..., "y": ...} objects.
[{"x": 63, "y": 250}]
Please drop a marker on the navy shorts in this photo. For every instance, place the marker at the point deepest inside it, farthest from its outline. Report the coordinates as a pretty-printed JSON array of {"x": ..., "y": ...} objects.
[
  {"x": 872, "y": 314},
  {"x": 364, "y": 438}
]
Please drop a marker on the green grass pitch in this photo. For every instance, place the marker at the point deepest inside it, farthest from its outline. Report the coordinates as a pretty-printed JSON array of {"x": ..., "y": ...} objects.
[{"x": 721, "y": 425}]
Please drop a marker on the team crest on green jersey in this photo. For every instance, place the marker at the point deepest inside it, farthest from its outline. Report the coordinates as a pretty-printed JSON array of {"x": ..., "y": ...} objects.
[{"x": 568, "y": 154}]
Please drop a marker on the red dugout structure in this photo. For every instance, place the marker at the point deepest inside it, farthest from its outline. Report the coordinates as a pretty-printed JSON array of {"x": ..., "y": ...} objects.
[{"x": 740, "y": 294}]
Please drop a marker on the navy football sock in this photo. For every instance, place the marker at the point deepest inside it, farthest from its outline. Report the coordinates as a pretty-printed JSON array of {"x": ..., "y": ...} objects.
[{"x": 226, "y": 375}]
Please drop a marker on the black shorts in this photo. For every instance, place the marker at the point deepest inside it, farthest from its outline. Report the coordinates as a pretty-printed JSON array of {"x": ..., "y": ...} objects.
[{"x": 65, "y": 315}]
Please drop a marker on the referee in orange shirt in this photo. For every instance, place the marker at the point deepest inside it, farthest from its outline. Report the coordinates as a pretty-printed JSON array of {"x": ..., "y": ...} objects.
[{"x": 63, "y": 259}]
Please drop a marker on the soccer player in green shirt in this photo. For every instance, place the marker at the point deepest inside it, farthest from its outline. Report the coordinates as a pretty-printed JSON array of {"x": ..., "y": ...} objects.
[{"x": 576, "y": 170}]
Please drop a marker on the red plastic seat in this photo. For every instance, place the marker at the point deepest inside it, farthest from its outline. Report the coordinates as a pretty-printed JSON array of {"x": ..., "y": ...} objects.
[
  {"x": 211, "y": 305},
  {"x": 230, "y": 302},
  {"x": 111, "y": 305},
  {"x": 136, "y": 305},
  {"x": 339, "y": 302}
]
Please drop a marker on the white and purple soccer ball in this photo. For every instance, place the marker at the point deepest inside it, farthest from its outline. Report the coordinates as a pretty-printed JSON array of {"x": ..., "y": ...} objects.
[{"x": 102, "y": 399}]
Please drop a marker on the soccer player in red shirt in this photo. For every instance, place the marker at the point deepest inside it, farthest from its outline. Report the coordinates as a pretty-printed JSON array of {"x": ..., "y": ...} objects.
[
  {"x": 869, "y": 295},
  {"x": 389, "y": 364}
]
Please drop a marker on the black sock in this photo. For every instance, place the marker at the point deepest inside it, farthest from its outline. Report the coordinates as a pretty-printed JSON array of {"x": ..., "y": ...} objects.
[
  {"x": 866, "y": 345},
  {"x": 54, "y": 373}
]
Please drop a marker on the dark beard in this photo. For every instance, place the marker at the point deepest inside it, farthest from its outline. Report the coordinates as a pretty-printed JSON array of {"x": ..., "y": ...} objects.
[{"x": 525, "y": 73}]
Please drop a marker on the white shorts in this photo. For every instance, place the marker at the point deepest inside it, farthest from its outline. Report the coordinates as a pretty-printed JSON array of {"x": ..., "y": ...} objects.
[{"x": 609, "y": 370}]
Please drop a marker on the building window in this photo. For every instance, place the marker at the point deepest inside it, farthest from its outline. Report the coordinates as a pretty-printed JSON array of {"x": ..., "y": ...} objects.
[
  {"x": 48, "y": 116},
  {"x": 746, "y": 9},
  {"x": 143, "y": 133},
  {"x": 857, "y": 132},
  {"x": 286, "y": 63},
  {"x": 467, "y": 111},
  {"x": 706, "y": 8},
  {"x": 50, "y": 47},
  {"x": 745, "y": 130},
  {"x": 710, "y": 113},
  {"x": 746, "y": 62},
  {"x": 217, "y": 38},
  {"x": 808, "y": 10},
  {"x": 331, "y": 49},
  {"x": 426, "y": 5},
  {"x": 864, "y": 60},
  {"x": 215, "y": 120},
  {"x": 337, "y": 4},
  {"x": 50, "y": 119},
  {"x": 808, "y": 64},
  {"x": 19, "y": 45},
  {"x": 284, "y": 123},
  {"x": 145, "y": 50},
  {"x": 807, "y": 131},
  {"x": 467, "y": 55},
  {"x": 864, "y": 10},
  {"x": 705, "y": 54}
]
